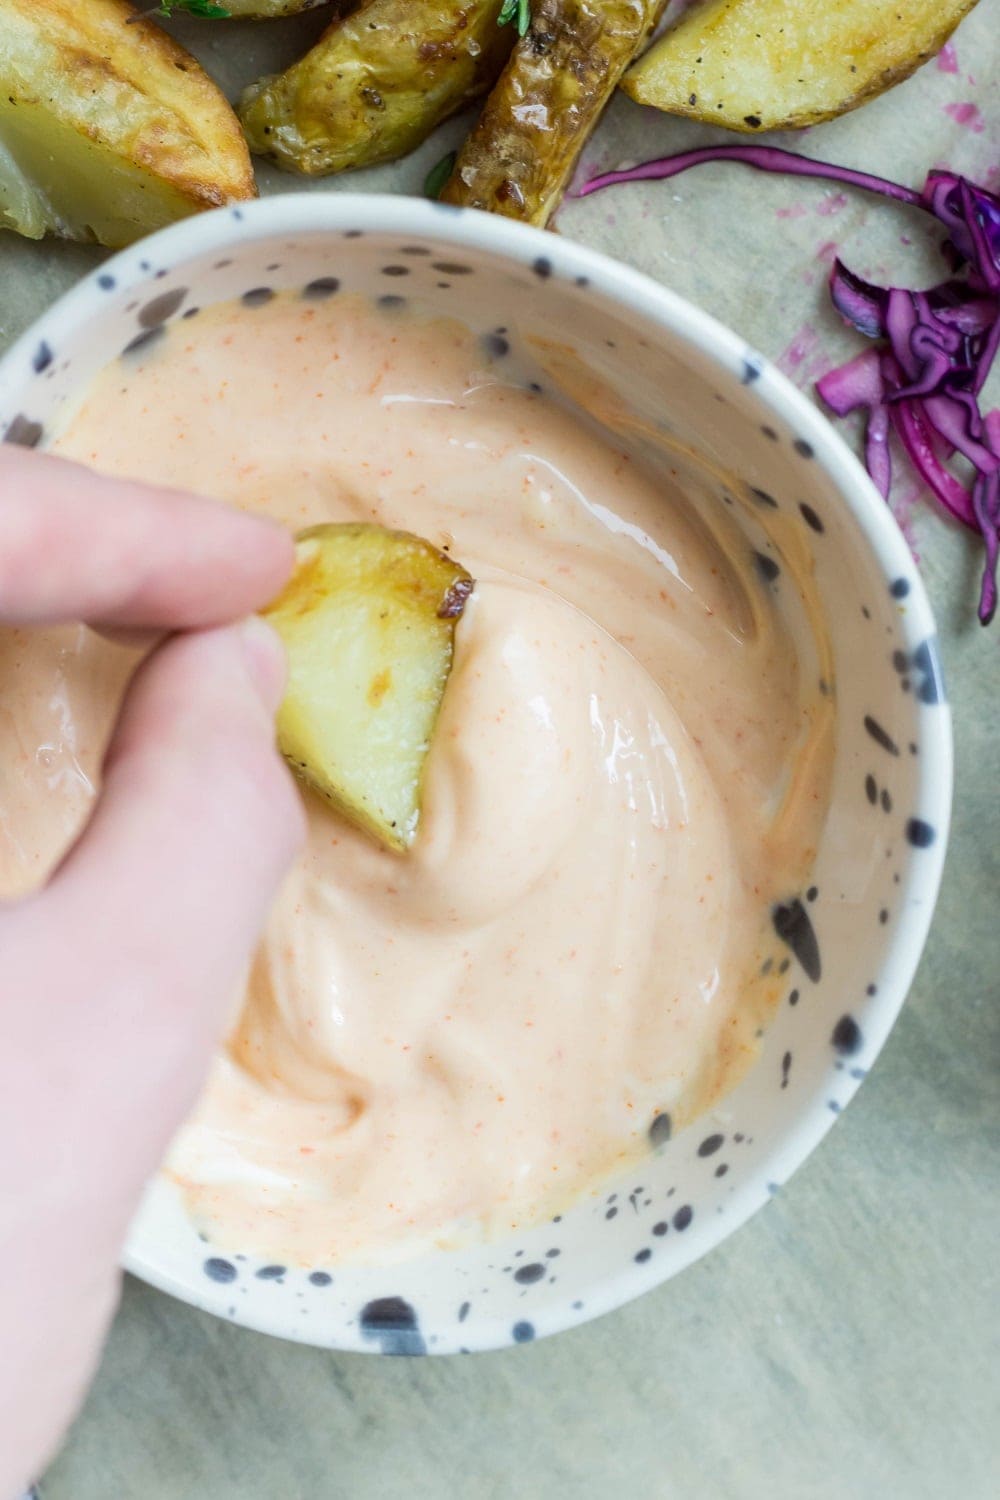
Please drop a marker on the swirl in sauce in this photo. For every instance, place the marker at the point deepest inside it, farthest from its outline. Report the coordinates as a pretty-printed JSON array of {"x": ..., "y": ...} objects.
[{"x": 628, "y": 770}]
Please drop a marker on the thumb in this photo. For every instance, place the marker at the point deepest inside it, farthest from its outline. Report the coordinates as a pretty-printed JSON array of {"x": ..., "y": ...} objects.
[
  {"x": 164, "y": 896},
  {"x": 116, "y": 980}
]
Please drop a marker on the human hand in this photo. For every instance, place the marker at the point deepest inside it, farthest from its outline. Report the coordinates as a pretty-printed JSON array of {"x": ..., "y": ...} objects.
[{"x": 115, "y": 979}]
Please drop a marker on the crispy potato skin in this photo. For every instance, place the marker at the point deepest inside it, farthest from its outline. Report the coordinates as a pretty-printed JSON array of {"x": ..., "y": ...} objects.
[
  {"x": 368, "y": 620},
  {"x": 536, "y": 121},
  {"x": 376, "y": 84},
  {"x": 117, "y": 105},
  {"x": 752, "y": 65}
]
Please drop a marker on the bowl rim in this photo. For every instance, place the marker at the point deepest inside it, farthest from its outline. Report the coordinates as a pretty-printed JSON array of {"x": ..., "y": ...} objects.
[{"x": 312, "y": 214}]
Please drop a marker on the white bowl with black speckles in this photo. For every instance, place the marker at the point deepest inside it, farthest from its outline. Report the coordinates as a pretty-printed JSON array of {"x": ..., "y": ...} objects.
[{"x": 855, "y": 933}]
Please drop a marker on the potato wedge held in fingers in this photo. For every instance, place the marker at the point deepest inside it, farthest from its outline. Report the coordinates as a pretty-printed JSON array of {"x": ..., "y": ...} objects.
[
  {"x": 755, "y": 65},
  {"x": 376, "y": 84},
  {"x": 107, "y": 130},
  {"x": 368, "y": 621},
  {"x": 550, "y": 96}
]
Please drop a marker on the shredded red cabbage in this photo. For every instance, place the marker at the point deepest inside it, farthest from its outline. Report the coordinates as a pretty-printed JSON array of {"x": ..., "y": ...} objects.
[{"x": 936, "y": 347}]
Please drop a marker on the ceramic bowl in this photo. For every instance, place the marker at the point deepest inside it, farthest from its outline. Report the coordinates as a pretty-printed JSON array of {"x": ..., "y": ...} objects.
[{"x": 851, "y": 938}]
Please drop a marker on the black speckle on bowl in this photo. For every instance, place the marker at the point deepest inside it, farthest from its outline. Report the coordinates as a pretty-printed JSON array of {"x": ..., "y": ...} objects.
[
  {"x": 158, "y": 309},
  {"x": 392, "y": 1323},
  {"x": 321, "y": 288},
  {"x": 24, "y": 432},
  {"x": 217, "y": 1269}
]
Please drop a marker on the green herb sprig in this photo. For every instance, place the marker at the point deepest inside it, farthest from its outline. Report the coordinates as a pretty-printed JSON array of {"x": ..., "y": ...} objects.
[
  {"x": 521, "y": 9},
  {"x": 439, "y": 174}
]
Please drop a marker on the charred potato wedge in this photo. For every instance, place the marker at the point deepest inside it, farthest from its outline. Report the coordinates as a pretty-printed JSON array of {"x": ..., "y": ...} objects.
[
  {"x": 776, "y": 64},
  {"x": 107, "y": 130},
  {"x": 376, "y": 84},
  {"x": 550, "y": 96},
  {"x": 368, "y": 621}
]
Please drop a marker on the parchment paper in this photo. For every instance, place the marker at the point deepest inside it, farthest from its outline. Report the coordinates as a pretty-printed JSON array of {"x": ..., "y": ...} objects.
[{"x": 844, "y": 1345}]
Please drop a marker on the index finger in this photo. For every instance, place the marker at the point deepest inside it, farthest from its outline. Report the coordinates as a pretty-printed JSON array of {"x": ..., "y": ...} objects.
[{"x": 77, "y": 546}]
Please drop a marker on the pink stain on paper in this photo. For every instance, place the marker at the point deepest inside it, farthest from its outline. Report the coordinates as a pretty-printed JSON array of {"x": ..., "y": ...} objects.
[
  {"x": 804, "y": 359},
  {"x": 966, "y": 113},
  {"x": 830, "y": 203},
  {"x": 825, "y": 256},
  {"x": 908, "y": 496},
  {"x": 794, "y": 355},
  {"x": 947, "y": 59}
]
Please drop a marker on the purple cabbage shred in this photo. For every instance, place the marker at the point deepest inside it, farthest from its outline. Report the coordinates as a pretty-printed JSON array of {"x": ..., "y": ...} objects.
[{"x": 935, "y": 349}]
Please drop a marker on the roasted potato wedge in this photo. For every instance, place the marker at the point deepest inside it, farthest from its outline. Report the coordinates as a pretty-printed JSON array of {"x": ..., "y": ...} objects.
[
  {"x": 368, "y": 621},
  {"x": 376, "y": 84},
  {"x": 755, "y": 65},
  {"x": 107, "y": 130},
  {"x": 550, "y": 96}
]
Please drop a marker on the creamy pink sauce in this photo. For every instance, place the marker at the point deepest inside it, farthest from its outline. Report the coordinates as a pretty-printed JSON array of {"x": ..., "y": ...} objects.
[{"x": 628, "y": 770}]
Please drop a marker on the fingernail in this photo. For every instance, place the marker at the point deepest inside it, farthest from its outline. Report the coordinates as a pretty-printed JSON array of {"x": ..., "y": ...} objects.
[{"x": 265, "y": 658}]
